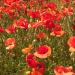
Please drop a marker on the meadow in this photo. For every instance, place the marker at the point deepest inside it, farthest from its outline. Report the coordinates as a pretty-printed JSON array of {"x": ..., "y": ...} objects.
[{"x": 37, "y": 37}]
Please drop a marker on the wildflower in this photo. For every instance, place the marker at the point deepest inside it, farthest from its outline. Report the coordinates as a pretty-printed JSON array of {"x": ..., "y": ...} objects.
[
  {"x": 31, "y": 61},
  {"x": 49, "y": 25},
  {"x": 74, "y": 2},
  {"x": 10, "y": 29},
  {"x": 38, "y": 70},
  {"x": 8, "y": 11},
  {"x": 34, "y": 14},
  {"x": 68, "y": 10},
  {"x": 10, "y": 2},
  {"x": 10, "y": 43},
  {"x": 43, "y": 51},
  {"x": 47, "y": 16},
  {"x": 51, "y": 5},
  {"x": 1, "y": 29},
  {"x": 22, "y": 23},
  {"x": 40, "y": 67},
  {"x": 1, "y": 9},
  {"x": 60, "y": 70},
  {"x": 71, "y": 43},
  {"x": 59, "y": 16},
  {"x": 57, "y": 31},
  {"x": 41, "y": 35},
  {"x": 18, "y": 6},
  {"x": 27, "y": 49}
]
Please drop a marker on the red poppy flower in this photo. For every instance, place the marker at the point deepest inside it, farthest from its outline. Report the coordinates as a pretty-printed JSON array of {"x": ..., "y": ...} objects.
[
  {"x": 57, "y": 31},
  {"x": 43, "y": 51},
  {"x": 10, "y": 29},
  {"x": 49, "y": 24},
  {"x": 71, "y": 43},
  {"x": 51, "y": 5},
  {"x": 68, "y": 10},
  {"x": 34, "y": 14},
  {"x": 22, "y": 23},
  {"x": 60, "y": 70},
  {"x": 1, "y": 8},
  {"x": 39, "y": 69},
  {"x": 59, "y": 16},
  {"x": 10, "y": 43},
  {"x": 47, "y": 16},
  {"x": 9, "y": 2},
  {"x": 74, "y": 2},
  {"x": 2, "y": 29},
  {"x": 41, "y": 35},
  {"x": 9, "y": 11},
  {"x": 18, "y": 6},
  {"x": 31, "y": 61}
]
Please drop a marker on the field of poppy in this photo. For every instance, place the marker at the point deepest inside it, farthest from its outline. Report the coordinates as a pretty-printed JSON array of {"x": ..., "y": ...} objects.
[{"x": 37, "y": 37}]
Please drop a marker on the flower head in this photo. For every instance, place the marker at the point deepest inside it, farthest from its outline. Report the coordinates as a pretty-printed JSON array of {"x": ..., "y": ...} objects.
[
  {"x": 57, "y": 31},
  {"x": 71, "y": 43},
  {"x": 41, "y": 35},
  {"x": 47, "y": 16},
  {"x": 10, "y": 29},
  {"x": 10, "y": 43},
  {"x": 38, "y": 70},
  {"x": 32, "y": 62},
  {"x": 68, "y": 10},
  {"x": 43, "y": 51},
  {"x": 27, "y": 49},
  {"x": 51, "y": 5},
  {"x": 40, "y": 67},
  {"x": 34, "y": 14},
  {"x": 22, "y": 23},
  {"x": 49, "y": 25},
  {"x": 10, "y": 2},
  {"x": 60, "y": 70},
  {"x": 1, "y": 29}
]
